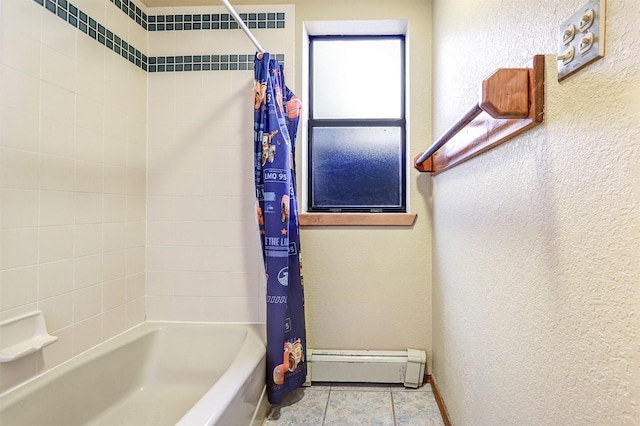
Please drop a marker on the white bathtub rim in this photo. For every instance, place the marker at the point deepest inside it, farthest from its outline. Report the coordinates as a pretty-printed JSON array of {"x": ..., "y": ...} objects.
[
  {"x": 126, "y": 336},
  {"x": 227, "y": 386},
  {"x": 54, "y": 371}
]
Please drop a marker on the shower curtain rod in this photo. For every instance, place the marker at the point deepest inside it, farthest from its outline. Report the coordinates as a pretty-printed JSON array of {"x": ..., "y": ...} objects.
[{"x": 244, "y": 27}]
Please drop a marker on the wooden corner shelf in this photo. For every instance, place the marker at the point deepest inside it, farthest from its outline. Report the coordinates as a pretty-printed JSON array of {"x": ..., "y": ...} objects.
[{"x": 512, "y": 102}]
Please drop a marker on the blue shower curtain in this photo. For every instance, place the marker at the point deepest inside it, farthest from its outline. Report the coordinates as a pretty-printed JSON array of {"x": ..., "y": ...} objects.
[{"x": 276, "y": 115}]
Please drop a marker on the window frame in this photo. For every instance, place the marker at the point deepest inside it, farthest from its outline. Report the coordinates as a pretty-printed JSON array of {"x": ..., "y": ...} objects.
[{"x": 400, "y": 122}]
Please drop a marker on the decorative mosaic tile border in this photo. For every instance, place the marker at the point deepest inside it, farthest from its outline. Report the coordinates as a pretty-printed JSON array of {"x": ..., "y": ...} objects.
[
  {"x": 215, "y": 21},
  {"x": 204, "y": 63},
  {"x": 71, "y": 14},
  {"x": 133, "y": 11},
  {"x": 222, "y": 21}
]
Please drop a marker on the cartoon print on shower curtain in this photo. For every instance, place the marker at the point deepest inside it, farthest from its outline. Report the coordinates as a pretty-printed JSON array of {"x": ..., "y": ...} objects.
[{"x": 276, "y": 114}]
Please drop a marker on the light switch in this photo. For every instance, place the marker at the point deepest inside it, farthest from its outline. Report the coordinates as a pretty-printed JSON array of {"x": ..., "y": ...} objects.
[
  {"x": 581, "y": 38},
  {"x": 569, "y": 34}
]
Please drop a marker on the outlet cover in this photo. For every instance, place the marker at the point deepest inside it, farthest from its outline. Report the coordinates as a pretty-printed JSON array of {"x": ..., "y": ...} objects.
[{"x": 581, "y": 38}]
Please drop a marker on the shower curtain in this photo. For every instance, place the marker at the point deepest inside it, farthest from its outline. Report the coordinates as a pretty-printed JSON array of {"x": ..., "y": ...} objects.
[{"x": 276, "y": 115}]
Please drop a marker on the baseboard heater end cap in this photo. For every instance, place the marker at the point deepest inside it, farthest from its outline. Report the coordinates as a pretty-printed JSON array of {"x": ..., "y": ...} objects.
[{"x": 416, "y": 361}]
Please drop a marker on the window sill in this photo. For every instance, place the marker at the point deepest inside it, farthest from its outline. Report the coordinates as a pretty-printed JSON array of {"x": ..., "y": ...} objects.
[{"x": 357, "y": 219}]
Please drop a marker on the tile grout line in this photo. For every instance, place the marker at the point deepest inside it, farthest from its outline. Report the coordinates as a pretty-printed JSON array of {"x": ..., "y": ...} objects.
[
  {"x": 326, "y": 405},
  {"x": 393, "y": 410}
]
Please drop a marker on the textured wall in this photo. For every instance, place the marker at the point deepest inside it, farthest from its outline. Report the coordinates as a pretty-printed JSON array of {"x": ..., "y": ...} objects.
[{"x": 537, "y": 242}]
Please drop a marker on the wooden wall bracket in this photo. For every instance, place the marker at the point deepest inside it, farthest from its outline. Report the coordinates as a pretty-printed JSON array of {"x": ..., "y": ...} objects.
[{"x": 512, "y": 102}]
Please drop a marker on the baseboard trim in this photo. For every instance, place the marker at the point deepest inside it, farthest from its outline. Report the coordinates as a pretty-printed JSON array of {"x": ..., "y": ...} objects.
[{"x": 441, "y": 405}]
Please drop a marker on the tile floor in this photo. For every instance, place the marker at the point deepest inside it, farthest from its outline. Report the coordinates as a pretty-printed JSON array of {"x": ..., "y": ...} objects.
[{"x": 348, "y": 404}]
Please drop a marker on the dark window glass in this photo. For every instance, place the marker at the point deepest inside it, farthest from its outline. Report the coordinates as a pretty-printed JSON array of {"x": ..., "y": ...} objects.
[{"x": 365, "y": 173}]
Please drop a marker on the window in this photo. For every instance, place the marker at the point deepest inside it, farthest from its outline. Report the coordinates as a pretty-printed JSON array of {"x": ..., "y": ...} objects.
[{"x": 357, "y": 127}]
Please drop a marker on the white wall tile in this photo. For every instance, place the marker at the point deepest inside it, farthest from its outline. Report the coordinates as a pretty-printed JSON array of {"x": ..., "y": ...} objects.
[
  {"x": 88, "y": 207},
  {"x": 244, "y": 309},
  {"x": 114, "y": 322},
  {"x": 136, "y": 208},
  {"x": 90, "y": 69},
  {"x": 160, "y": 110},
  {"x": 19, "y": 287},
  {"x": 95, "y": 9},
  {"x": 87, "y": 334},
  {"x": 137, "y": 154},
  {"x": 113, "y": 236},
  {"x": 16, "y": 13},
  {"x": 18, "y": 169},
  {"x": 136, "y": 312},
  {"x": 135, "y": 234},
  {"x": 55, "y": 278},
  {"x": 189, "y": 85},
  {"x": 56, "y": 208},
  {"x": 57, "y": 173},
  {"x": 114, "y": 208},
  {"x": 159, "y": 308},
  {"x": 160, "y": 283},
  {"x": 21, "y": 50},
  {"x": 55, "y": 243},
  {"x": 19, "y": 247},
  {"x": 188, "y": 158},
  {"x": 135, "y": 286},
  {"x": 60, "y": 137},
  {"x": 57, "y": 103},
  {"x": 18, "y": 208},
  {"x": 89, "y": 176},
  {"x": 114, "y": 265},
  {"x": 115, "y": 148},
  {"x": 115, "y": 180},
  {"x": 56, "y": 37},
  {"x": 116, "y": 20},
  {"x": 135, "y": 260},
  {"x": 160, "y": 207},
  {"x": 186, "y": 308},
  {"x": 89, "y": 79},
  {"x": 19, "y": 90},
  {"x": 57, "y": 69},
  {"x": 19, "y": 129},
  {"x": 56, "y": 354},
  {"x": 189, "y": 208},
  {"x": 87, "y": 271},
  {"x": 89, "y": 146},
  {"x": 189, "y": 258},
  {"x": 89, "y": 113},
  {"x": 160, "y": 258},
  {"x": 136, "y": 182},
  {"x": 115, "y": 119},
  {"x": 215, "y": 309},
  {"x": 190, "y": 283},
  {"x": 87, "y": 302},
  {"x": 114, "y": 294},
  {"x": 87, "y": 239},
  {"x": 58, "y": 312}
]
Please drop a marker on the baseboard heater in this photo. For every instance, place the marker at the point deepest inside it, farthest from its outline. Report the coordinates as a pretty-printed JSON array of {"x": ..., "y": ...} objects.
[{"x": 405, "y": 367}]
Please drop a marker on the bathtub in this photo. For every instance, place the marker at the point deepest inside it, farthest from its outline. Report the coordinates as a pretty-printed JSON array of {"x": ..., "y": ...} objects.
[{"x": 153, "y": 374}]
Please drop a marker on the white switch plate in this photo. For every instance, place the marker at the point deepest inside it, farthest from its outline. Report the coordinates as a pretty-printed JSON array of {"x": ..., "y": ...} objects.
[{"x": 592, "y": 35}]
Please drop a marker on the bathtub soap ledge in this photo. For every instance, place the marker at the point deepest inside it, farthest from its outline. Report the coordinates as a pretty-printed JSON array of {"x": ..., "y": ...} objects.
[{"x": 23, "y": 335}]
